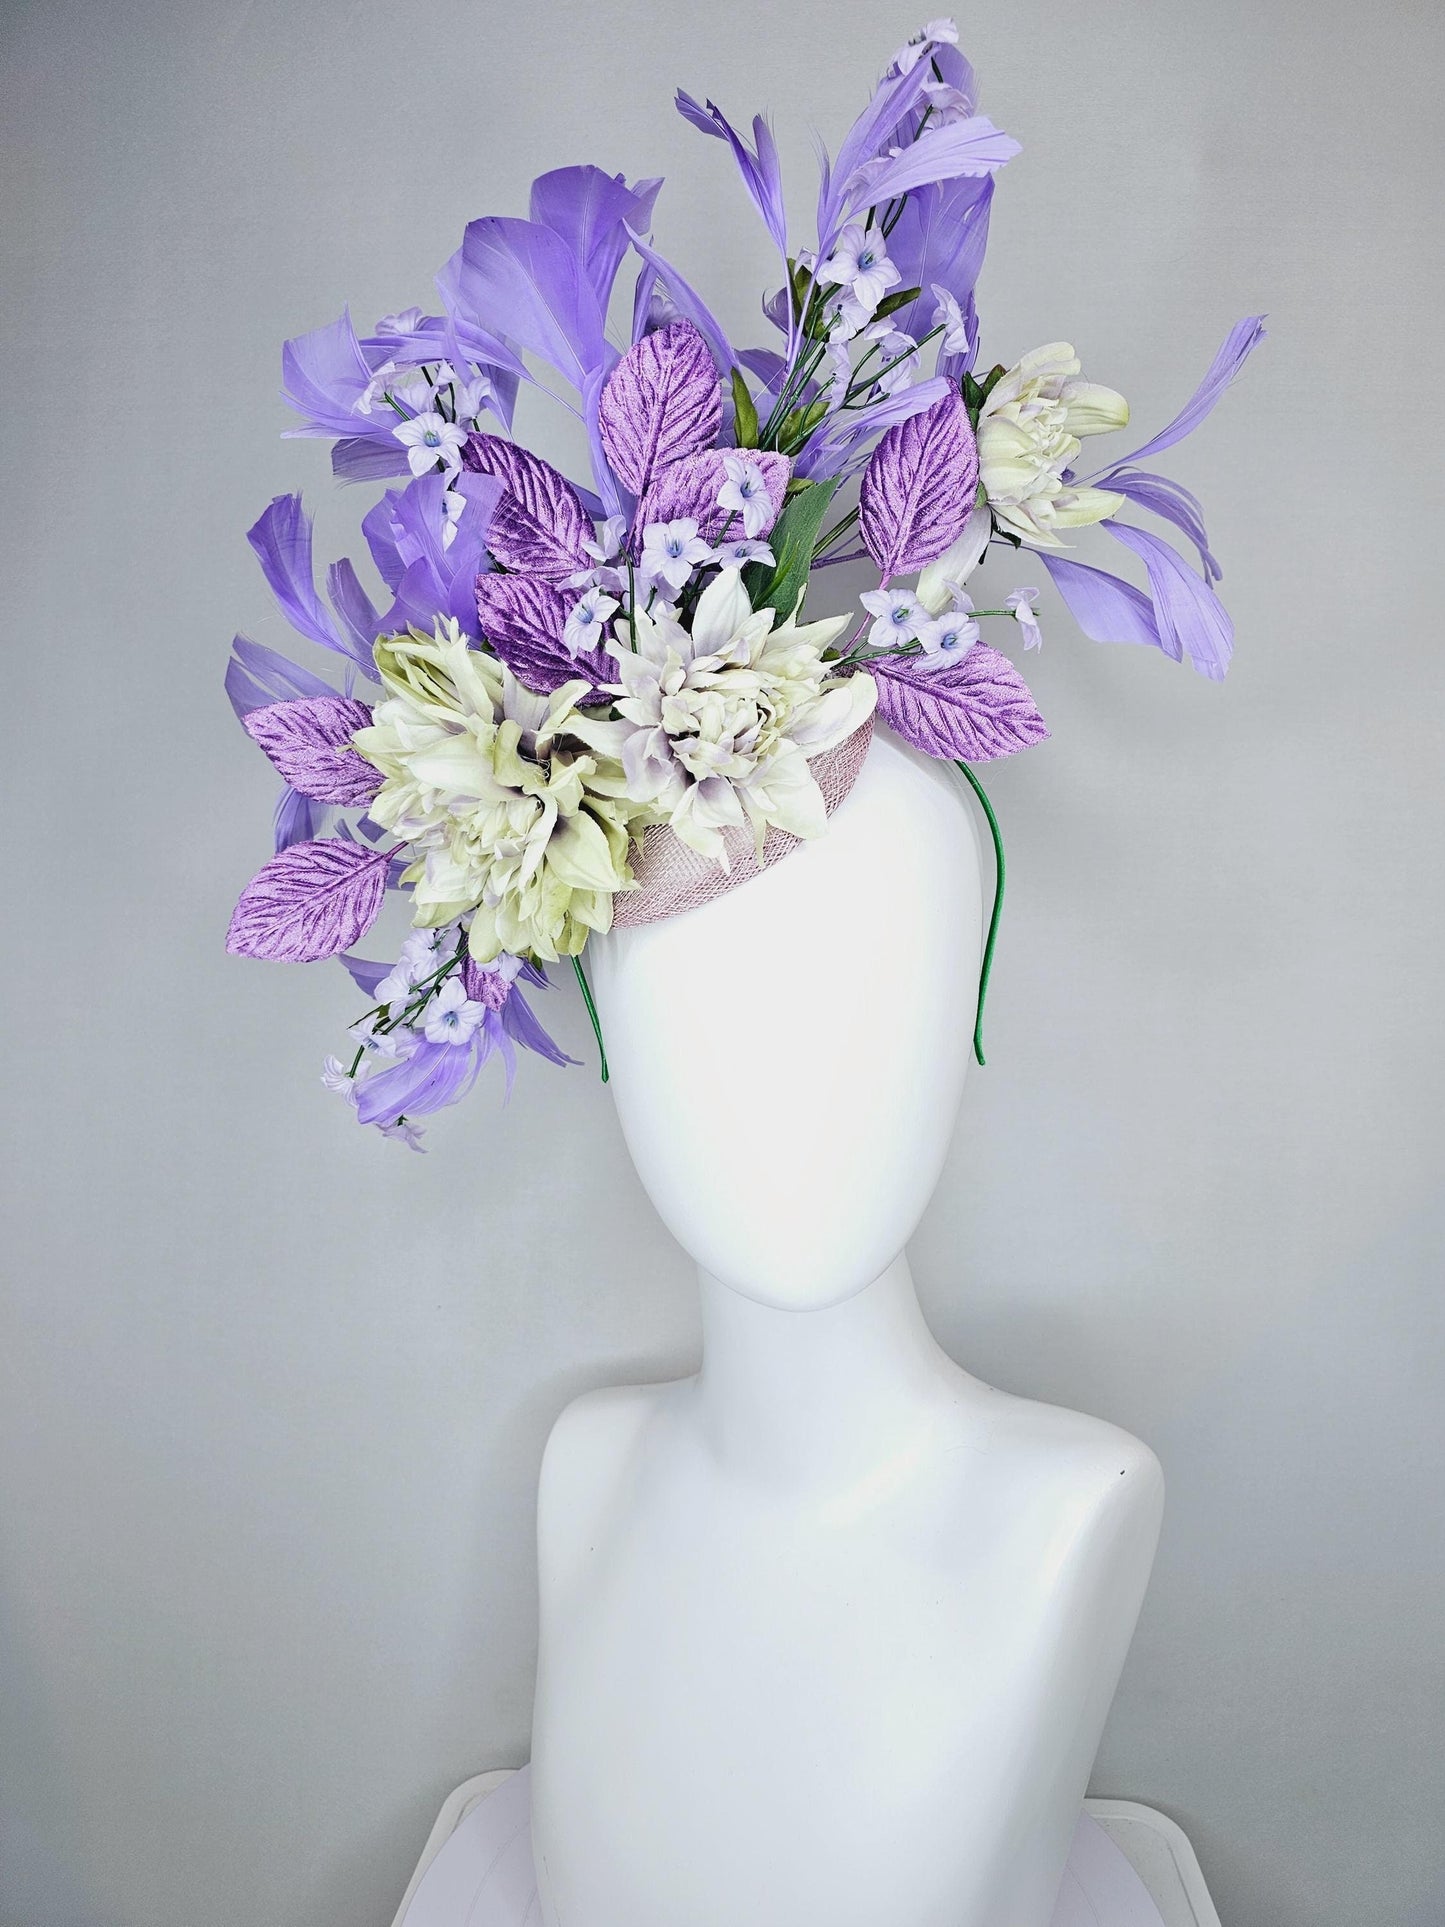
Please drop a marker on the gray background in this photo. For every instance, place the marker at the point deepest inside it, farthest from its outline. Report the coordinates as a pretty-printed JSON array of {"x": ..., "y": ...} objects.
[{"x": 274, "y": 1392}]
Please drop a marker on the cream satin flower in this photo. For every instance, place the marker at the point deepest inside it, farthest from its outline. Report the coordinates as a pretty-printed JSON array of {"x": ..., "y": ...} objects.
[
  {"x": 723, "y": 721},
  {"x": 511, "y": 815},
  {"x": 1029, "y": 432}
]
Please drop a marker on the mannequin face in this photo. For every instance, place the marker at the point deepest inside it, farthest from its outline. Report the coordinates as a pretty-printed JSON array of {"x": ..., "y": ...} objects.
[{"x": 788, "y": 1061}]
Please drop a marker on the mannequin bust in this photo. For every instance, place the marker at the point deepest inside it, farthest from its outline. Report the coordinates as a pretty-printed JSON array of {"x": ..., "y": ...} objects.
[{"x": 830, "y": 1630}]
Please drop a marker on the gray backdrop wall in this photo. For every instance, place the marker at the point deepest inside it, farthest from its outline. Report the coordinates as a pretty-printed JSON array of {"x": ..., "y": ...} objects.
[{"x": 274, "y": 1391}]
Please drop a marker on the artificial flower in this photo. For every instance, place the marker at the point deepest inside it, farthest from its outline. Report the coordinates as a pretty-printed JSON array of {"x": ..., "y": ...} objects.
[
  {"x": 1022, "y": 602},
  {"x": 511, "y": 817},
  {"x": 725, "y": 718},
  {"x": 860, "y": 267},
  {"x": 745, "y": 493},
  {"x": 1029, "y": 434},
  {"x": 950, "y": 317},
  {"x": 430, "y": 438},
  {"x": 936, "y": 33},
  {"x": 951, "y": 635},
  {"x": 671, "y": 551},
  {"x": 736, "y": 554},
  {"x": 587, "y": 621},
  {"x": 451, "y": 1016},
  {"x": 898, "y": 617}
]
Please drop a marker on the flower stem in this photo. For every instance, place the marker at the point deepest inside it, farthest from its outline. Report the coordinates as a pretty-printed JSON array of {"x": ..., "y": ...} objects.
[
  {"x": 987, "y": 965},
  {"x": 592, "y": 1013}
]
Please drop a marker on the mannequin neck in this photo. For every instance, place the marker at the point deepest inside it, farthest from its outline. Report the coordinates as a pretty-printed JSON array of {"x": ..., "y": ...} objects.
[{"x": 821, "y": 1397}]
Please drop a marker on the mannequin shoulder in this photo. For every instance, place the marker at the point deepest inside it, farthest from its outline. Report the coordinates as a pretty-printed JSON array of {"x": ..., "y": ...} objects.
[
  {"x": 592, "y": 1442},
  {"x": 1083, "y": 1461}
]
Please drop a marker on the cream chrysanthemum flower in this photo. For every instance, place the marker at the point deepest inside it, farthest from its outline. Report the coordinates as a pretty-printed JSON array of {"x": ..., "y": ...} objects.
[
  {"x": 723, "y": 720},
  {"x": 513, "y": 818},
  {"x": 1029, "y": 432}
]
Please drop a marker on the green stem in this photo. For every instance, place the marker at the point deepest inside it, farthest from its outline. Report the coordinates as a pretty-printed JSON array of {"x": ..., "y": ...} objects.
[
  {"x": 987, "y": 966},
  {"x": 592, "y": 1013}
]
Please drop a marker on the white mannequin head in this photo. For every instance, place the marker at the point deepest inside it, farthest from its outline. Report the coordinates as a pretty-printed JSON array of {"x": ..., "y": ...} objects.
[{"x": 788, "y": 1061}]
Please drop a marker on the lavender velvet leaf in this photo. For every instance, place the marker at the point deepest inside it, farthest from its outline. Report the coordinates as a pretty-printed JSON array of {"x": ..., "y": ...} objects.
[
  {"x": 691, "y": 487},
  {"x": 976, "y": 709},
  {"x": 522, "y": 618},
  {"x": 256, "y": 675},
  {"x": 309, "y": 742},
  {"x": 918, "y": 487},
  {"x": 310, "y": 902},
  {"x": 662, "y": 401},
  {"x": 539, "y": 524}
]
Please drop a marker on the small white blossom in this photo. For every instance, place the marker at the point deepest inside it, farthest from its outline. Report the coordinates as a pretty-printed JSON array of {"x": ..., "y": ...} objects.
[
  {"x": 587, "y": 623},
  {"x": 950, "y": 317},
  {"x": 671, "y": 551},
  {"x": 474, "y": 396},
  {"x": 430, "y": 438},
  {"x": 860, "y": 266},
  {"x": 745, "y": 493},
  {"x": 735, "y": 555},
  {"x": 949, "y": 636},
  {"x": 1022, "y": 603},
  {"x": 949, "y": 104},
  {"x": 451, "y": 1016},
  {"x": 898, "y": 617},
  {"x": 898, "y": 354},
  {"x": 336, "y": 1077},
  {"x": 374, "y": 392},
  {"x": 405, "y": 1132},
  {"x": 936, "y": 33}
]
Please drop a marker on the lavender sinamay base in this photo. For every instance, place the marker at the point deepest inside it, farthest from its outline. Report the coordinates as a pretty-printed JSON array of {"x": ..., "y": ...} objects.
[{"x": 477, "y": 1870}]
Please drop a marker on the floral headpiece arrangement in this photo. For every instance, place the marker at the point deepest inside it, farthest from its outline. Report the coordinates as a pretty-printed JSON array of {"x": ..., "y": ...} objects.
[{"x": 578, "y": 694}]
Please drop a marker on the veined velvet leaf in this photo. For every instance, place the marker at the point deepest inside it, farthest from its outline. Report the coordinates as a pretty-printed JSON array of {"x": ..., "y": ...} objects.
[
  {"x": 919, "y": 486},
  {"x": 539, "y": 524},
  {"x": 662, "y": 401},
  {"x": 976, "y": 709},
  {"x": 523, "y": 618},
  {"x": 312, "y": 901},
  {"x": 691, "y": 488},
  {"x": 309, "y": 742}
]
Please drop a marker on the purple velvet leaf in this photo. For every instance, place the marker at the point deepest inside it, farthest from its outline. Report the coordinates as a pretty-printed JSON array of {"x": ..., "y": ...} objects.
[
  {"x": 522, "y": 618},
  {"x": 313, "y": 901},
  {"x": 976, "y": 709},
  {"x": 256, "y": 675},
  {"x": 539, "y": 525},
  {"x": 662, "y": 401},
  {"x": 691, "y": 488},
  {"x": 918, "y": 487},
  {"x": 309, "y": 741}
]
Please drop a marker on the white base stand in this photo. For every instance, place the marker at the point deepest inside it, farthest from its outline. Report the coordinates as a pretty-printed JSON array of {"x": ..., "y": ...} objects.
[{"x": 1128, "y": 1867}]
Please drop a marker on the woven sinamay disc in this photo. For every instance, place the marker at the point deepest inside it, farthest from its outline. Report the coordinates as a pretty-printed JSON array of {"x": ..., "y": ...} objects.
[{"x": 674, "y": 878}]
